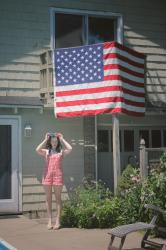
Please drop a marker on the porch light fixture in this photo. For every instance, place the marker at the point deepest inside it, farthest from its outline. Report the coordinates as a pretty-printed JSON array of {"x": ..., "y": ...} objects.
[{"x": 27, "y": 130}]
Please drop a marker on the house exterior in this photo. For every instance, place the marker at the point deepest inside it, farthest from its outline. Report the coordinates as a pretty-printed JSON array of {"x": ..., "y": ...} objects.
[{"x": 29, "y": 30}]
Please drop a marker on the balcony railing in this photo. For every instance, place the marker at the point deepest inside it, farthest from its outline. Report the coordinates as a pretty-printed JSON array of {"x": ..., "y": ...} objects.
[{"x": 46, "y": 78}]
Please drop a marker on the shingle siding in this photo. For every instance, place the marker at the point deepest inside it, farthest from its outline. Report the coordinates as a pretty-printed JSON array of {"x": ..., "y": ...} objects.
[{"x": 25, "y": 34}]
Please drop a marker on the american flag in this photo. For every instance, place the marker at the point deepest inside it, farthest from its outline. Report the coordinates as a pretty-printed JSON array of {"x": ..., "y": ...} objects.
[{"x": 97, "y": 79}]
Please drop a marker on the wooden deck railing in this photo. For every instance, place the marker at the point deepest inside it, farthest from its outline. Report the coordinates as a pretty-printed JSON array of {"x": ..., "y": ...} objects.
[
  {"x": 149, "y": 158},
  {"x": 46, "y": 78}
]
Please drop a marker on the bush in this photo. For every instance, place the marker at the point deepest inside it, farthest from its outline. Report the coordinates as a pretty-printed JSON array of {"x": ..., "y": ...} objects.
[
  {"x": 154, "y": 192},
  {"x": 129, "y": 177},
  {"x": 94, "y": 206},
  {"x": 108, "y": 213},
  {"x": 91, "y": 207},
  {"x": 136, "y": 195}
]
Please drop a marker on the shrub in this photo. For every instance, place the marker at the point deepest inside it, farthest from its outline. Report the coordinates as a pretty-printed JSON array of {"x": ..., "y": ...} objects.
[
  {"x": 129, "y": 177},
  {"x": 94, "y": 206},
  {"x": 91, "y": 207},
  {"x": 108, "y": 213},
  {"x": 68, "y": 218},
  {"x": 154, "y": 192}
]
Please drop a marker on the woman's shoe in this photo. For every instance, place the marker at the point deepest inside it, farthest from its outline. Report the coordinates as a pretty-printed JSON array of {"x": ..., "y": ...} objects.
[
  {"x": 56, "y": 227},
  {"x": 49, "y": 227}
]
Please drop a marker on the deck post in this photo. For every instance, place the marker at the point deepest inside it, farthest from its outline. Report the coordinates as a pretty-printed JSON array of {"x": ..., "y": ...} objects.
[
  {"x": 143, "y": 160},
  {"x": 116, "y": 151}
]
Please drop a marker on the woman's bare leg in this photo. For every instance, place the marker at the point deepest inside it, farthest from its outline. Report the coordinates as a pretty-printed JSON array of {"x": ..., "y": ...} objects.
[
  {"x": 58, "y": 192},
  {"x": 48, "y": 191}
]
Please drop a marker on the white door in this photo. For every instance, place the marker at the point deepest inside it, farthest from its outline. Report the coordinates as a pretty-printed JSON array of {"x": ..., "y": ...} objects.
[{"x": 9, "y": 165}]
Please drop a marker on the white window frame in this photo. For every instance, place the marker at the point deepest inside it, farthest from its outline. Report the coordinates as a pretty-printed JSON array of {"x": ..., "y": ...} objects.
[{"x": 53, "y": 11}]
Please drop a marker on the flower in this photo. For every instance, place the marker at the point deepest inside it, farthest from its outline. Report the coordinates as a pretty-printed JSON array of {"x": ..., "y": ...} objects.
[{"x": 135, "y": 179}]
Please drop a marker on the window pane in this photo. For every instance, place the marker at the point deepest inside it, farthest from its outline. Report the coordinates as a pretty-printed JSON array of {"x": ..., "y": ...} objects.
[
  {"x": 144, "y": 134},
  {"x": 5, "y": 165},
  {"x": 156, "y": 138},
  {"x": 68, "y": 30},
  {"x": 103, "y": 141},
  {"x": 101, "y": 30},
  {"x": 128, "y": 140}
]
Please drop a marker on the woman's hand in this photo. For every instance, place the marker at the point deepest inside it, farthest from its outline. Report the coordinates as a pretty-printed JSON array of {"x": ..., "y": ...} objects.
[
  {"x": 47, "y": 136},
  {"x": 67, "y": 146},
  {"x": 60, "y": 136}
]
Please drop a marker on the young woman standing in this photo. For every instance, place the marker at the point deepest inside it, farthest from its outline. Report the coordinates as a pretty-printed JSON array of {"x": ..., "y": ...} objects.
[{"x": 51, "y": 149}]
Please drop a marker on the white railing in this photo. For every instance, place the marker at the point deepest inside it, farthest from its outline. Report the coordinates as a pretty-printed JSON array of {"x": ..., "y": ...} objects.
[{"x": 149, "y": 158}]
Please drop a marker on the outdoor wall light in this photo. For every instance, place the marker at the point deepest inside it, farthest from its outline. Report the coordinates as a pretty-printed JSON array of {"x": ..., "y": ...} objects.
[{"x": 27, "y": 130}]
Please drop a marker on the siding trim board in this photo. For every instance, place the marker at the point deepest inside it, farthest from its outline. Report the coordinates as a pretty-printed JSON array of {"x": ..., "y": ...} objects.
[{"x": 7, "y": 101}]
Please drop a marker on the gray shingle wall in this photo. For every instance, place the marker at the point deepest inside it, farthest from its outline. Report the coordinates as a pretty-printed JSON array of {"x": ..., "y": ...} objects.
[{"x": 25, "y": 33}]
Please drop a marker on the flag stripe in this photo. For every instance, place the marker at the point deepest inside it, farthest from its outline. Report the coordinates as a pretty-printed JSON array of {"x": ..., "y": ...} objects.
[
  {"x": 122, "y": 58},
  {"x": 98, "y": 90},
  {"x": 120, "y": 67},
  {"x": 100, "y": 106},
  {"x": 123, "y": 79},
  {"x": 124, "y": 64},
  {"x": 97, "y": 112},
  {"x": 99, "y": 100},
  {"x": 123, "y": 48},
  {"x": 116, "y": 72},
  {"x": 102, "y": 95},
  {"x": 124, "y": 54},
  {"x": 113, "y": 80}
]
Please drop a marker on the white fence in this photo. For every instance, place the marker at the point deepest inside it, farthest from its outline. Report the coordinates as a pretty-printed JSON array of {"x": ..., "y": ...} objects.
[{"x": 149, "y": 158}]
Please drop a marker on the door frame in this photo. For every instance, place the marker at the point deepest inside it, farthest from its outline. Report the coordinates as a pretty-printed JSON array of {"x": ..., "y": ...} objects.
[{"x": 18, "y": 118}]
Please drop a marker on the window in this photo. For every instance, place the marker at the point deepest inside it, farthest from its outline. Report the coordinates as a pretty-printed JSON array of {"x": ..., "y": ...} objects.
[
  {"x": 80, "y": 28},
  {"x": 144, "y": 134},
  {"x": 103, "y": 141},
  {"x": 101, "y": 30},
  {"x": 68, "y": 30},
  {"x": 128, "y": 140},
  {"x": 156, "y": 138}
]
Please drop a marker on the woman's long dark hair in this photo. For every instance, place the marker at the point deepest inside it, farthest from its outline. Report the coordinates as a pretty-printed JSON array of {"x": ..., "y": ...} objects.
[{"x": 49, "y": 146}]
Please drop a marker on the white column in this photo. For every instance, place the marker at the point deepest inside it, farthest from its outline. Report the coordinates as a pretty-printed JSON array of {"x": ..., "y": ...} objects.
[
  {"x": 96, "y": 162},
  {"x": 116, "y": 150}
]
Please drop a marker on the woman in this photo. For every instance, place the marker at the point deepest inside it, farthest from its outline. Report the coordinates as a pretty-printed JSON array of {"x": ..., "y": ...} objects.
[{"x": 51, "y": 149}]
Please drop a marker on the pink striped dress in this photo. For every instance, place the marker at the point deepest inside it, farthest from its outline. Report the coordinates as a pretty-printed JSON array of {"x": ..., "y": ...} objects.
[{"x": 53, "y": 172}]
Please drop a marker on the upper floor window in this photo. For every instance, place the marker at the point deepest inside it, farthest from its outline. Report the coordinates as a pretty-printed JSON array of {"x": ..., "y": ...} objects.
[
  {"x": 80, "y": 28},
  {"x": 101, "y": 29},
  {"x": 68, "y": 30}
]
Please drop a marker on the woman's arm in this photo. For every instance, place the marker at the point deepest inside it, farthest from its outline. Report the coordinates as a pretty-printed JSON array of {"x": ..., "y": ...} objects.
[
  {"x": 41, "y": 147},
  {"x": 68, "y": 147}
]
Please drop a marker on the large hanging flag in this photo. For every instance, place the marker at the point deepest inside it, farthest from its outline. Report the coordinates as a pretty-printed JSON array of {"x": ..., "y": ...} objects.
[{"x": 97, "y": 79}]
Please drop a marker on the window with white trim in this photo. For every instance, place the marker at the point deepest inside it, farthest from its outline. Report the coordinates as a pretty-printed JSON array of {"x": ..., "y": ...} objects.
[{"x": 80, "y": 28}]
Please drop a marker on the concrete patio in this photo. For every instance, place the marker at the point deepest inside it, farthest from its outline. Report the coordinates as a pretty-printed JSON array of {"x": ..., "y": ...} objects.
[{"x": 26, "y": 234}]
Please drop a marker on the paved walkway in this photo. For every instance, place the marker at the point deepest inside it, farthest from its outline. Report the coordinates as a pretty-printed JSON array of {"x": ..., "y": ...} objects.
[{"x": 26, "y": 234}]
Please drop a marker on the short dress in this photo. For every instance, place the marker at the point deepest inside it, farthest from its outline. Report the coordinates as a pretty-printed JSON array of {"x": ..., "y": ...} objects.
[{"x": 53, "y": 172}]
